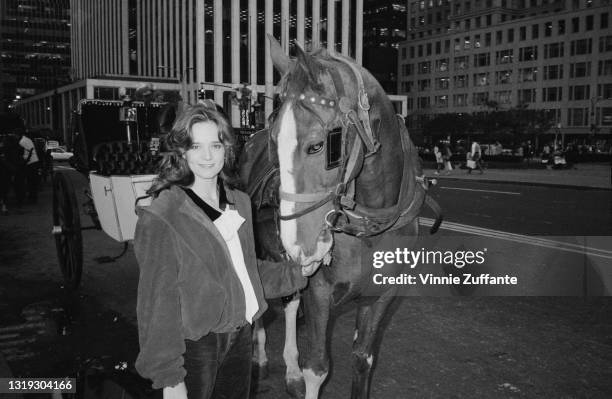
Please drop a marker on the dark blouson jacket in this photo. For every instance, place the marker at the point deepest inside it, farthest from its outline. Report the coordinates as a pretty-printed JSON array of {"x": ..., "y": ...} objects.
[{"x": 188, "y": 286}]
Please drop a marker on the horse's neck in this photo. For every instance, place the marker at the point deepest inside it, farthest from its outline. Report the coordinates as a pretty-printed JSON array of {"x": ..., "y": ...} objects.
[{"x": 382, "y": 172}]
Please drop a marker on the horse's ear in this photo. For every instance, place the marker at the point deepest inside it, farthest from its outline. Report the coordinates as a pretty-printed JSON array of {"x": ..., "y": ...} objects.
[
  {"x": 281, "y": 61},
  {"x": 307, "y": 61}
]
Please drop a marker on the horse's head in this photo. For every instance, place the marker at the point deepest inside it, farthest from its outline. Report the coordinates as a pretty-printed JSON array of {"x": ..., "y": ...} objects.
[{"x": 317, "y": 91}]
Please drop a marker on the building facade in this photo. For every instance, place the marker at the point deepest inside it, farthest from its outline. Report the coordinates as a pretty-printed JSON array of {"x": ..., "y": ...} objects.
[
  {"x": 34, "y": 47},
  {"x": 219, "y": 46},
  {"x": 472, "y": 56},
  {"x": 384, "y": 27}
]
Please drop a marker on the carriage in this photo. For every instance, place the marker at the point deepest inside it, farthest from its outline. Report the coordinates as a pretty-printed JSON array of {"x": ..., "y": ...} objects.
[{"x": 116, "y": 147}]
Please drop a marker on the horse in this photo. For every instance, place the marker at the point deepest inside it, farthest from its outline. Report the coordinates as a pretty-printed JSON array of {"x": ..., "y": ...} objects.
[{"x": 348, "y": 177}]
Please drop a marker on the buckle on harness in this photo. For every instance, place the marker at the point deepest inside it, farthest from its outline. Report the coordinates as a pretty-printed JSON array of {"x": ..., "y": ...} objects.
[{"x": 364, "y": 102}]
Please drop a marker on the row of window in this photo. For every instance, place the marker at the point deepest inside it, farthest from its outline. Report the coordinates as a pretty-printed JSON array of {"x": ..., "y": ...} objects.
[
  {"x": 549, "y": 94},
  {"x": 530, "y": 53},
  {"x": 551, "y": 72}
]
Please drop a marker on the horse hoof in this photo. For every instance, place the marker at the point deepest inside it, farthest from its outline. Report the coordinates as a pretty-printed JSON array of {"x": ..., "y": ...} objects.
[
  {"x": 260, "y": 371},
  {"x": 296, "y": 388}
]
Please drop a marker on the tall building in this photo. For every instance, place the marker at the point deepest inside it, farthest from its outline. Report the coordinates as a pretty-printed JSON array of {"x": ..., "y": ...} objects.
[
  {"x": 34, "y": 47},
  {"x": 384, "y": 27},
  {"x": 467, "y": 56}
]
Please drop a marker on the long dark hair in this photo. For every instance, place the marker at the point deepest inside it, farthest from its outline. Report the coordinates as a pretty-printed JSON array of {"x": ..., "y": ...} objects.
[{"x": 173, "y": 168}]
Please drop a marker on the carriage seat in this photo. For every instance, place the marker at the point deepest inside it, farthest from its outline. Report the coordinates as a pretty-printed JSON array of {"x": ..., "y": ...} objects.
[{"x": 121, "y": 158}]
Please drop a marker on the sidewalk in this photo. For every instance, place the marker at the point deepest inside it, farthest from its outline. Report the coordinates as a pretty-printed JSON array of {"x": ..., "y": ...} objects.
[{"x": 591, "y": 176}]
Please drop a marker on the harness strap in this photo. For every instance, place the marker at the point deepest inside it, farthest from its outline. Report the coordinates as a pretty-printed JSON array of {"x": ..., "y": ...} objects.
[{"x": 309, "y": 209}]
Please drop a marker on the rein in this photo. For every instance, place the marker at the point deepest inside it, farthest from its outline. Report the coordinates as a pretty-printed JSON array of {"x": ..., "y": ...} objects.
[{"x": 347, "y": 216}]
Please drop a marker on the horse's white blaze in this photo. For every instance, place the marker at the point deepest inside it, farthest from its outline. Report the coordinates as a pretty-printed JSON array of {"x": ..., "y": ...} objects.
[
  {"x": 355, "y": 335},
  {"x": 370, "y": 360},
  {"x": 287, "y": 146},
  {"x": 313, "y": 383}
]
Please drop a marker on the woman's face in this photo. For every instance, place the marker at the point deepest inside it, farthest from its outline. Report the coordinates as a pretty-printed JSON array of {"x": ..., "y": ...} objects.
[{"x": 207, "y": 153}]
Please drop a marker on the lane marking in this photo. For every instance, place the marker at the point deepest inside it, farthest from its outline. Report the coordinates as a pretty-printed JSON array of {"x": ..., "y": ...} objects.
[
  {"x": 482, "y": 191},
  {"x": 520, "y": 238}
]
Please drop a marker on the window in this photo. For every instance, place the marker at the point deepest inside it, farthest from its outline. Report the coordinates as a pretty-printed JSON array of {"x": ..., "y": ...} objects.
[
  {"x": 577, "y": 116},
  {"x": 548, "y": 29},
  {"x": 582, "y": 46},
  {"x": 442, "y": 83},
  {"x": 604, "y": 68},
  {"x": 481, "y": 79},
  {"x": 424, "y": 67},
  {"x": 510, "y": 35},
  {"x": 478, "y": 22},
  {"x": 441, "y": 101},
  {"x": 488, "y": 17},
  {"x": 467, "y": 24},
  {"x": 428, "y": 48},
  {"x": 528, "y": 53},
  {"x": 527, "y": 96},
  {"x": 408, "y": 87},
  {"x": 603, "y": 20},
  {"x": 487, "y": 39},
  {"x": 552, "y": 94},
  {"x": 460, "y": 100},
  {"x": 605, "y": 44},
  {"x": 580, "y": 92},
  {"x": 503, "y": 77},
  {"x": 503, "y": 57},
  {"x": 423, "y": 102},
  {"x": 442, "y": 65},
  {"x": 420, "y": 51},
  {"x": 407, "y": 69},
  {"x": 553, "y": 72},
  {"x": 503, "y": 97},
  {"x": 411, "y": 51},
  {"x": 482, "y": 59},
  {"x": 604, "y": 115},
  {"x": 575, "y": 25},
  {"x": 589, "y": 22},
  {"x": 580, "y": 69},
  {"x": 498, "y": 37},
  {"x": 604, "y": 91},
  {"x": 553, "y": 50},
  {"x": 528, "y": 74},
  {"x": 446, "y": 46},
  {"x": 467, "y": 44},
  {"x": 480, "y": 98},
  {"x": 424, "y": 84},
  {"x": 476, "y": 41},
  {"x": 438, "y": 47},
  {"x": 461, "y": 81},
  {"x": 561, "y": 26},
  {"x": 535, "y": 33},
  {"x": 523, "y": 33},
  {"x": 457, "y": 45},
  {"x": 461, "y": 63}
]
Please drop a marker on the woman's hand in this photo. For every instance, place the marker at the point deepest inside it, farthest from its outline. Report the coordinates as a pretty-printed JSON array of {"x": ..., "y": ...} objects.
[
  {"x": 178, "y": 391},
  {"x": 310, "y": 269}
]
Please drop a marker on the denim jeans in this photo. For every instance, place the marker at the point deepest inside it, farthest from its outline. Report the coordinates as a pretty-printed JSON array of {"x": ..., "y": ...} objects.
[{"x": 218, "y": 365}]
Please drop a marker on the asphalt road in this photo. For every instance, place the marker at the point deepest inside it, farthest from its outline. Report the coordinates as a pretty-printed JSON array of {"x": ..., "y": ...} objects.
[
  {"x": 526, "y": 209},
  {"x": 456, "y": 345}
]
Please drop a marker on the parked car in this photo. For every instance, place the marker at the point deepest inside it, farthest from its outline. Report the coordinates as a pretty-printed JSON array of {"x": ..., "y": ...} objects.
[{"x": 60, "y": 154}]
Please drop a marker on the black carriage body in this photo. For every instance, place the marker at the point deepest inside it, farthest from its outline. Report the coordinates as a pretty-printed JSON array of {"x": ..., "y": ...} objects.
[{"x": 100, "y": 137}]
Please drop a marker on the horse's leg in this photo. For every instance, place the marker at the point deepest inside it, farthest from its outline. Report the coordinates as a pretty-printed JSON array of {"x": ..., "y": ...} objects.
[
  {"x": 367, "y": 326},
  {"x": 316, "y": 311},
  {"x": 293, "y": 375},
  {"x": 259, "y": 349}
]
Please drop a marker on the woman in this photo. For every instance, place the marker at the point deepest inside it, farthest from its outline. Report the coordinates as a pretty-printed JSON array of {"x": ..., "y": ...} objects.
[{"x": 199, "y": 288}]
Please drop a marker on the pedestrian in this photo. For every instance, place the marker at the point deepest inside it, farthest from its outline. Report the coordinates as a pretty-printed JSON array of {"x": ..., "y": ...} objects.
[
  {"x": 439, "y": 159},
  {"x": 476, "y": 155},
  {"x": 28, "y": 173},
  {"x": 446, "y": 157},
  {"x": 199, "y": 289}
]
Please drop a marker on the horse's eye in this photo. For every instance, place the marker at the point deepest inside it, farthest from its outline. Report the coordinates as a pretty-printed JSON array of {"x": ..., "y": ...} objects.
[{"x": 314, "y": 148}]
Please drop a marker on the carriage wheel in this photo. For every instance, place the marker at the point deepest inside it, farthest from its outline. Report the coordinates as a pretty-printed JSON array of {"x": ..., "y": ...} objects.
[{"x": 67, "y": 229}]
